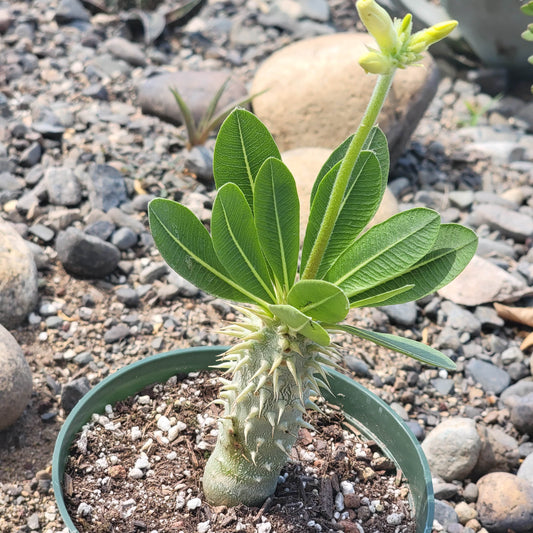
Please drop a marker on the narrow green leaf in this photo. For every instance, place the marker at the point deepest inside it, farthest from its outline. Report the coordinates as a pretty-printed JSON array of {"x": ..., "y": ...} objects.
[
  {"x": 277, "y": 218},
  {"x": 236, "y": 243},
  {"x": 320, "y": 300},
  {"x": 452, "y": 251},
  {"x": 186, "y": 246},
  {"x": 243, "y": 144},
  {"x": 416, "y": 350},
  {"x": 385, "y": 251},
  {"x": 375, "y": 142},
  {"x": 372, "y": 301},
  {"x": 300, "y": 323},
  {"x": 527, "y": 9},
  {"x": 208, "y": 114},
  {"x": 188, "y": 119}
]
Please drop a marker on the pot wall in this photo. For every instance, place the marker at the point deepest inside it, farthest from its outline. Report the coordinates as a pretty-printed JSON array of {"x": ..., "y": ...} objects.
[{"x": 363, "y": 409}]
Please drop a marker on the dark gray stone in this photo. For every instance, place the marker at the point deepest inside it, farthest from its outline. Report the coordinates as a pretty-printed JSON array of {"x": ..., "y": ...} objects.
[
  {"x": 123, "y": 49},
  {"x": 71, "y": 10},
  {"x": 445, "y": 514},
  {"x": 459, "y": 318},
  {"x": 128, "y": 296},
  {"x": 357, "y": 365},
  {"x": 199, "y": 161},
  {"x": 116, "y": 333},
  {"x": 86, "y": 256},
  {"x": 490, "y": 377},
  {"x": 31, "y": 156},
  {"x": 522, "y": 414},
  {"x": 443, "y": 386},
  {"x": 101, "y": 229},
  {"x": 401, "y": 314},
  {"x": 152, "y": 272},
  {"x": 73, "y": 392},
  {"x": 107, "y": 188},
  {"x": 124, "y": 238}
]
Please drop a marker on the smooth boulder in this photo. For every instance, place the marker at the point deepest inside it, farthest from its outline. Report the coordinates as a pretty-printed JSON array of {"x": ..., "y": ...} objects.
[
  {"x": 316, "y": 93},
  {"x": 18, "y": 277},
  {"x": 15, "y": 380},
  {"x": 197, "y": 89}
]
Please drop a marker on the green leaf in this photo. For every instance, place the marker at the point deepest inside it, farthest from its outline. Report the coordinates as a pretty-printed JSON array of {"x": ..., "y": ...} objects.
[
  {"x": 320, "y": 300},
  {"x": 300, "y": 323},
  {"x": 375, "y": 142},
  {"x": 188, "y": 119},
  {"x": 527, "y": 9},
  {"x": 359, "y": 204},
  {"x": 452, "y": 251},
  {"x": 372, "y": 301},
  {"x": 236, "y": 243},
  {"x": 186, "y": 246},
  {"x": 243, "y": 144},
  {"x": 385, "y": 251},
  {"x": 277, "y": 218},
  {"x": 416, "y": 350},
  {"x": 528, "y": 34}
]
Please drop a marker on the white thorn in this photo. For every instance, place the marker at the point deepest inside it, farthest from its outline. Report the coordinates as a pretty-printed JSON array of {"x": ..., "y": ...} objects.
[
  {"x": 245, "y": 360},
  {"x": 276, "y": 363},
  {"x": 262, "y": 369},
  {"x": 268, "y": 467},
  {"x": 259, "y": 442},
  {"x": 247, "y": 427},
  {"x": 253, "y": 455},
  {"x": 271, "y": 417},
  {"x": 262, "y": 400},
  {"x": 275, "y": 383},
  {"x": 244, "y": 392},
  {"x": 281, "y": 409},
  {"x": 260, "y": 383},
  {"x": 254, "y": 412}
]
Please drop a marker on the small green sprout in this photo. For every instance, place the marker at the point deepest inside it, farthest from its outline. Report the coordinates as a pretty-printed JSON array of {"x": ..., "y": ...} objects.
[
  {"x": 293, "y": 306},
  {"x": 198, "y": 133}
]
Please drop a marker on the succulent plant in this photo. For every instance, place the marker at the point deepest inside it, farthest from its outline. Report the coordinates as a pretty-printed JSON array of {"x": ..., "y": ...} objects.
[{"x": 291, "y": 307}]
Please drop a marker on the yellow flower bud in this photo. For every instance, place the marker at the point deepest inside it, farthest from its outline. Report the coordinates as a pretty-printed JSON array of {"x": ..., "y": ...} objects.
[
  {"x": 422, "y": 40},
  {"x": 376, "y": 63},
  {"x": 379, "y": 24}
]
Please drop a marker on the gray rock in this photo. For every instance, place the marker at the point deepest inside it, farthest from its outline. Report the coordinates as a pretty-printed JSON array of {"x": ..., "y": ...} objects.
[
  {"x": 63, "y": 187},
  {"x": 102, "y": 229},
  {"x": 488, "y": 317},
  {"x": 488, "y": 247},
  {"x": 505, "y": 503},
  {"x": 128, "y": 296},
  {"x": 526, "y": 469},
  {"x": 449, "y": 339},
  {"x": 444, "y": 490},
  {"x": 195, "y": 87},
  {"x": 42, "y": 232},
  {"x": 107, "y": 188},
  {"x": 522, "y": 414},
  {"x": 152, "y": 272},
  {"x": 186, "y": 288},
  {"x": 452, "y": 448},
  {"x": 470, "y": 492},
  {"x": 83, "y": 358},
  {"x": 357, "y": 365},
  {"x": 525, "y": 449},
  {"x": 518, "y": 390},
  {"x": 124, "y": 238},
  {"x": 416, "y": 429},
  {"x": 499, "y": 452},
  {"x": 461, "y": 319},
  {"x": 461, "y": 199},
  {"x": 443, "y": 386},
  {"x": 73, "y": 392},
  {"x": 401, "y": 314},
  {"x": 86, "y": 256},
  {"x": 31, "y": 155},
  {"x": 315, "y": 9},
  {"x": 18, "y": 277},
  {"x": 510, "y": 223},
  {"x": 15, "y": 379},
  {"x": 141, "y": 201},
  {"x": 490, "y": 377},
  {"x": 126, "y": 50},
  {"x": 33, "y": 521},
  {"x": 445, "y": 514},
  {"x": 116, "y": 333},
  {"x": 199, "y": 161},
  {"x": 122, "y": 220},
  {"x": 49, "y": 130}
]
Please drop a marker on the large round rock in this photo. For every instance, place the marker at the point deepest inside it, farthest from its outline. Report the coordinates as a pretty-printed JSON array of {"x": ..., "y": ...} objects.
[
  {"x": 15, "y": 380},
  {"x": 18, "y": 277},
  {"x": 505, "y": 503},
  {"x": 317, "y": 93},
  {"x": 452, "y": 448}
]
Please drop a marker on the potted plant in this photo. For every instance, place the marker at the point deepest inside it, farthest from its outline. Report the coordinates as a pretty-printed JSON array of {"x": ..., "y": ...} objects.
[{"x": 285, "y": 356}]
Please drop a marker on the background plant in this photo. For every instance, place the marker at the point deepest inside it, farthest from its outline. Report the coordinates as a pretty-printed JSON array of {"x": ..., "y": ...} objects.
[
  {"x": 527, "y": 35},
  {"x": 291, "y": 309},
  {"x": 198, "y": 132}
]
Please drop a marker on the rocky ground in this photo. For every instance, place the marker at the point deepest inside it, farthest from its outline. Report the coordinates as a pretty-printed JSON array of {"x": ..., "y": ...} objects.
[{"x": 79, "y": 161}]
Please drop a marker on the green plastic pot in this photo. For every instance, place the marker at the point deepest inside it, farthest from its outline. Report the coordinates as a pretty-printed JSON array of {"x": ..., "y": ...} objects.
[{"x": 363, "y": 409}]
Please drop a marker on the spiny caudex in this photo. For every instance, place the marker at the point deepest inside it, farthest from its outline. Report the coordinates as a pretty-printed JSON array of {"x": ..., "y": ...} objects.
[{"x": 284, "y": 352}]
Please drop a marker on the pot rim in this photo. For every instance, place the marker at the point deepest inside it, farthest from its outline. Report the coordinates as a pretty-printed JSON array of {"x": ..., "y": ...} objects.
[{"x": 393, "y": 437}]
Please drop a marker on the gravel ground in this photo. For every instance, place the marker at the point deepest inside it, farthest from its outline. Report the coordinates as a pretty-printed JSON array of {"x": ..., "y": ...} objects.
[{"x": 68, "y": 101}]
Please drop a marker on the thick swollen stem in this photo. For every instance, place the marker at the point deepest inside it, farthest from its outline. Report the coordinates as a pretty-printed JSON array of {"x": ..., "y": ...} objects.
[{"x": 264, "y": 403}]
